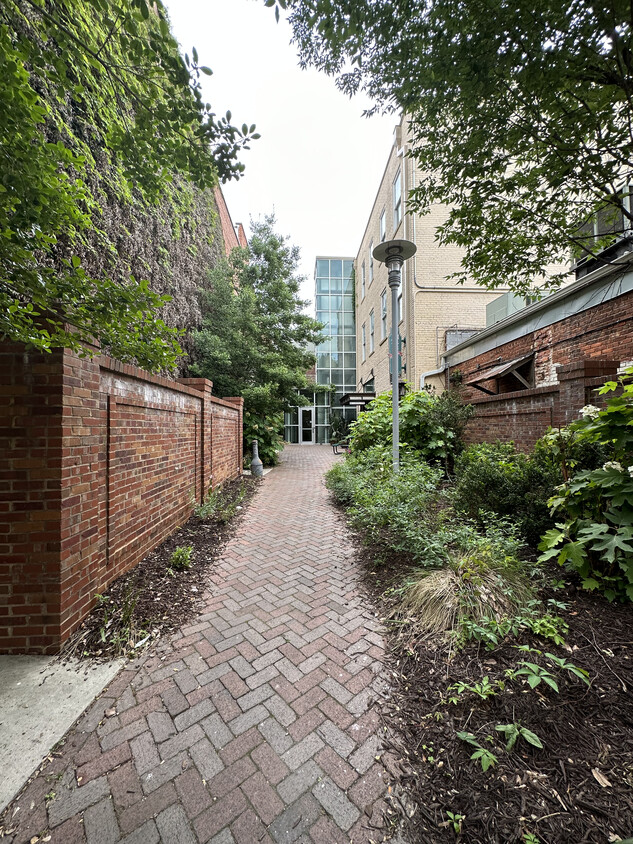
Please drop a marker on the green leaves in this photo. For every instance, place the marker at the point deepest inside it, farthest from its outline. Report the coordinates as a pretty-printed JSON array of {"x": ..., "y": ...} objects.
[
  {"x": 429, "y": 424},
  {"x": 596, "y": 537},
  {"x": 544, "y": 133},
  {"x": 513, "y": 732},
  {"x": 535, "y": 674},
  {"x": 104, "y": 80},
  {"x": 255, "y": 340},
  {"x": 482, "y": 755}
]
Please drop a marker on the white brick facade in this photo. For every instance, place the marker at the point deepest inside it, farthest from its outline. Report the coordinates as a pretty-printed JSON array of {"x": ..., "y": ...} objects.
[{"x": 432, "y": 302}]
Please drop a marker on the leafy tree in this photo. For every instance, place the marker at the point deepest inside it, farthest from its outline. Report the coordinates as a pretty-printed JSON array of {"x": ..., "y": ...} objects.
[
  {"x": 255, "y": 341},
  {"x": 521, "y": 115},
  {"x": 98, "y": 108}
]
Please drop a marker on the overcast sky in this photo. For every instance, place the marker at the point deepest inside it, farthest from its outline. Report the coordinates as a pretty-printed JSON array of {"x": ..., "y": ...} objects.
[{"x": 318, "y": 163}]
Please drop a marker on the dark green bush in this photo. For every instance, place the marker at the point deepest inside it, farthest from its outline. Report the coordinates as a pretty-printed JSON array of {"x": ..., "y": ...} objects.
[{"x": 495, "y": 478}]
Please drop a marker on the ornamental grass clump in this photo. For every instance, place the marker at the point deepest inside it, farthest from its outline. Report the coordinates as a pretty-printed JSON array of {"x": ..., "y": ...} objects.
[{"x": 482, "y": 579}]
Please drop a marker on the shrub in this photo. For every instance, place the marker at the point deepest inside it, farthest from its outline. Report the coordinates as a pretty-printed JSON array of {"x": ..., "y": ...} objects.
[
  {"x": 482, "y": 579},
  {"x": 595, "y": 537},
  {"x": 429, "y": 424},
  {"x": 397, "y": 512},
  {"x": 495, "y": 478},
  {"x": 181, "y": 558}
]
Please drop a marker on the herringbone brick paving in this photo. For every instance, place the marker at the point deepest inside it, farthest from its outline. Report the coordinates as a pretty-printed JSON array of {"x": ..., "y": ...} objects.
[{"x": 252, "y": 724}]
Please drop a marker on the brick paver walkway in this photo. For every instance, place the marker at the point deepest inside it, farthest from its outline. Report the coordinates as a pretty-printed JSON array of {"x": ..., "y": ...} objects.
[{"x": 252, "y": 725}]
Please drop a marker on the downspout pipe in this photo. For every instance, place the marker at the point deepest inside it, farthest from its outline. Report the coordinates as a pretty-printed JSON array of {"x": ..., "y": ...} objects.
[{"x": 431, "y": 372}]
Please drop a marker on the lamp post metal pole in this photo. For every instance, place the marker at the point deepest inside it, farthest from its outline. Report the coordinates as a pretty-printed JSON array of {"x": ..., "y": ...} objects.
[
  {"x": 394, "y": 284},
  {"x": 394, "y": 253}
]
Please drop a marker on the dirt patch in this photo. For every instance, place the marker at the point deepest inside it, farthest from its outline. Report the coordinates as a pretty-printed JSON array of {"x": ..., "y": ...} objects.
[
  {"x": 156, "y": 597},
  {"x": 577, "y": 788}
]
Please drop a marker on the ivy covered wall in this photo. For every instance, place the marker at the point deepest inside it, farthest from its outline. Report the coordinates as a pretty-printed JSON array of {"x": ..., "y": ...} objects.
[{"x": 108, "y": 160}]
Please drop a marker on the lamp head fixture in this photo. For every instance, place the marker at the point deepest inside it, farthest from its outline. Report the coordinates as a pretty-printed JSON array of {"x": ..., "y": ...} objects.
[{"x": 394, "y": 253}]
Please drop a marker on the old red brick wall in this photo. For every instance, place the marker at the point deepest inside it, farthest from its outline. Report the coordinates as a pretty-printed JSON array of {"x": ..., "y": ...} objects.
[
  {"x": 99, "y": 462},
  {"x": 572, "y": 357}
]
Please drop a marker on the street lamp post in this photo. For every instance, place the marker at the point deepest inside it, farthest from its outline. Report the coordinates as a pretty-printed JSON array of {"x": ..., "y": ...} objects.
[{"x": 394, "y": 253}]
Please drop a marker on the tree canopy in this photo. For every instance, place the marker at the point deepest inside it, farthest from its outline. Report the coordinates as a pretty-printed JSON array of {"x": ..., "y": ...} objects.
[
  {"x": 522, "y": 116},
  {"x": 97, "y": 109},
  {"x": 255, "y": 341}
]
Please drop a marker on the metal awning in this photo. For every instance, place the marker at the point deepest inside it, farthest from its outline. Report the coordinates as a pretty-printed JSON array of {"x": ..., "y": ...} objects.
[
  {"x": 357, "y": 399},
  {"x": 508, "y": 368}
]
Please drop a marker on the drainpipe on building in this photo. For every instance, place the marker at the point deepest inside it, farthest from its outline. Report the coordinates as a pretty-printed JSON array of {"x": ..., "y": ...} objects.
[{"x": 428, "y": 374}]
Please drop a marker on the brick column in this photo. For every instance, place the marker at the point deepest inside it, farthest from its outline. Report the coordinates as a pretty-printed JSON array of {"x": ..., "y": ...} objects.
[
  {"x": 573, "y": 378},
  {"x": 30, "y": 499},
  {"x": 206, "y": 430},
  {"x": 82, "y": 559},
  {"x": 239, "y": 403}
]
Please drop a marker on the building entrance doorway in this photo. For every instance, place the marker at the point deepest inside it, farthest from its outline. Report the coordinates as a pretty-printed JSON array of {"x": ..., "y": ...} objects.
[{"x": 306, "y": 424}]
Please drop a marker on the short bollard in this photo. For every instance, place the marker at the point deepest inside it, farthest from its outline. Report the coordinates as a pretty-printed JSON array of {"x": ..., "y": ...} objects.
[{"x": 257, "y": 467}]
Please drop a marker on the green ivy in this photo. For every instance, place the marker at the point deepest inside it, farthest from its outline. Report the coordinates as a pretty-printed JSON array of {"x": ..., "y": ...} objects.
[{"x": 99, "y": 111}]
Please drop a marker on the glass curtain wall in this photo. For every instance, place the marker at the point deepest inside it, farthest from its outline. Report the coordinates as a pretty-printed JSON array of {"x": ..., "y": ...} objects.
[{"x": 335, "y": 357}]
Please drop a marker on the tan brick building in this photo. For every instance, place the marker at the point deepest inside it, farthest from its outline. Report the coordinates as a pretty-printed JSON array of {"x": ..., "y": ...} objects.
[{"x": 435, "y": 311}]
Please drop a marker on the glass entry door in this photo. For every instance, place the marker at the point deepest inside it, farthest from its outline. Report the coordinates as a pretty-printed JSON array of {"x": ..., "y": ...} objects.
[{"x": 306, "y": 424}]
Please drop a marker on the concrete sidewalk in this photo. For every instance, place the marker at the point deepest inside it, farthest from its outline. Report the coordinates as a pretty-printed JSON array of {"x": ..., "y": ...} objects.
[{"x": 252, "y": 725}]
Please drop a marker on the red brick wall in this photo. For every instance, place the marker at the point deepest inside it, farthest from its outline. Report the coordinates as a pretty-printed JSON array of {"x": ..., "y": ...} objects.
[
  {"x": 99, "y": 462},
  {"x": 571, "y": 358}
]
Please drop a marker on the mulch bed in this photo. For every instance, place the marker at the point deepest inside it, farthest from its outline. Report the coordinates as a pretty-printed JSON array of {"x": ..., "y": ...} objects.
[
  {"x": 155, "y": 599},
  {"x": 578, "y": 788}
]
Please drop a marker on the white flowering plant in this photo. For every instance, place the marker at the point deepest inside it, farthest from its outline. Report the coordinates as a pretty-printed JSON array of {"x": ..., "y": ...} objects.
[{"x": 595, "y": 536}]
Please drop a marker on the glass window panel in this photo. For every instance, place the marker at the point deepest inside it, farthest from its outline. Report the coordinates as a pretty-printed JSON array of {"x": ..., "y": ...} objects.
[
  {"x": 337, "y": 376},
  {"x": 350, "y": 361},
  {"x": 291, "y": 417},
  {"x": 323, "y": 377},
  {"x": 322, "y": 415},
  {"x": 348, "y": 285},
  {"x": 291, "y": 434},
  {"x": 323, "y": 360},
  {"x": 335, "y": 285},
  {"x": 322, "y": 399},
  {"x": 348, "y": 269},
  {"x": 323, "y": 285},
  {"x": 348, "y": 303},
  {"x": 322, "y": 268},
  {"x": 335, "y": 302},
  {"x": 336, "y": 269},
  {"x": 322, "y": 316},
  {"x": 335, "y": 324},
  {"x": 322, "y": 435},
  {"x": 349, "y": 344},
  {"x": 323, "y": 303},
  {"x": 349, "y": 413},
  {"x": 348, "y": 323},
  {"x": 325, "y": 346}
]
